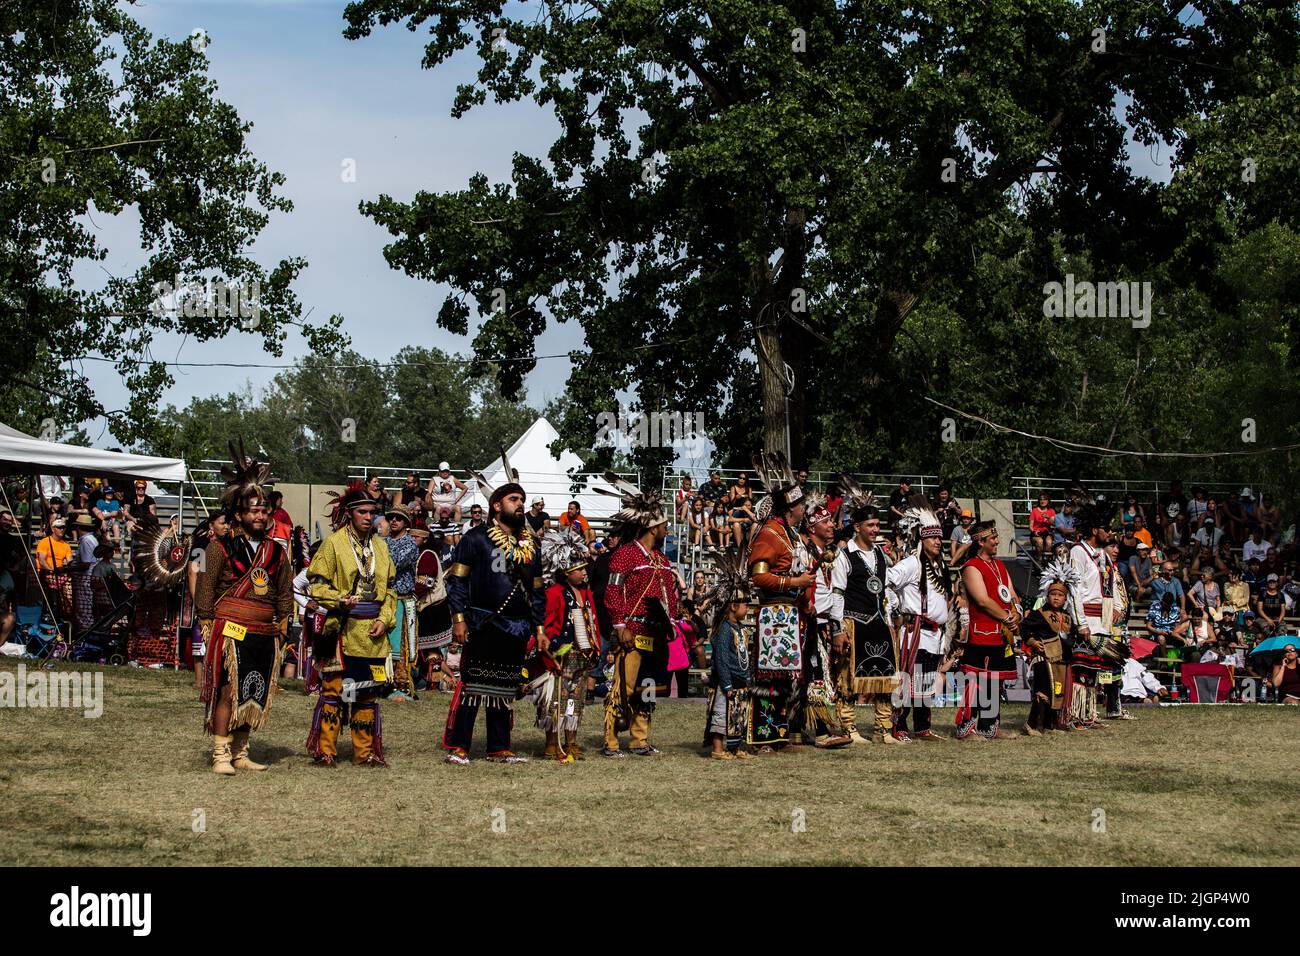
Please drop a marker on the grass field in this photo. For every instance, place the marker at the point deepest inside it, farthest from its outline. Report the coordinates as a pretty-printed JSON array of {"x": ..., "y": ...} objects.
[{"x": 1178, "y": 787}]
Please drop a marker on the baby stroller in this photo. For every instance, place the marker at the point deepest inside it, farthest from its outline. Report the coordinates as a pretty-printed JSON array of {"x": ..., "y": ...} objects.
[{"x": 105, "y": 641}]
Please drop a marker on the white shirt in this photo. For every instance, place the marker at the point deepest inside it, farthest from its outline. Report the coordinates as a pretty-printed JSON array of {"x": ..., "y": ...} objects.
[
  {"x": 1088, "y": 563},
  {"x": 903, "y": 584},
  {"x": 1252, "y": 550},
  {"x": 1138, "y": 681},
  {"x": 840, "y": 572},
  {"x": 86, "y": 549},
  {"x": 300, "y": 585}
]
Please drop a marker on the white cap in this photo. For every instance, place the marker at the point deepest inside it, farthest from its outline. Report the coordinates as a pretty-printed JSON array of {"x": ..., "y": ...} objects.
[
  {"x": 538, "y": 501},
  {"x": 1143, "y": 546},
  {"x": 1245, "y": 493},
  {"x": 444, "y": 466}
]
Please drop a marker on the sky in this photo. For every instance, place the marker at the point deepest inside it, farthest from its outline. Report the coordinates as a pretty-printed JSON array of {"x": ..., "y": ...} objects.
[{"x": 315, "y": 100}]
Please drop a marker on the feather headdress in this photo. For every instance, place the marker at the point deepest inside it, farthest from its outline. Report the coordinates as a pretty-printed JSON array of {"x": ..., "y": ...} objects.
[
  {"x": 643, "y": 509},
  {"x": 776, "y": 478},
  {"x": 1094, "y": 511},
  {"x": 1058, "y": 570},
  {"x": 855, "y": 497},
  {"x": 919, "y": 522},
  {"x": 563, "y": 551},
  {"x": 160, "y": 555},
  {"x": 732, "y": 582},
  {"x": 509, "y": 485},
  {"x": 244, "y": 476},
  {"x": 340, "y": 504}
]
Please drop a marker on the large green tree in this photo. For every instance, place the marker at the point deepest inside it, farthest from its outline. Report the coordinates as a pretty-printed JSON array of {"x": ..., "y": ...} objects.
[
  {"x": 99, "y": 118},
  {"x": 750, "y": 205}
]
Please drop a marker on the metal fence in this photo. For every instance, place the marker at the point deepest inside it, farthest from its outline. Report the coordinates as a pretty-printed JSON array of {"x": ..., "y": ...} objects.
[{"x": 1025, "y": 491}]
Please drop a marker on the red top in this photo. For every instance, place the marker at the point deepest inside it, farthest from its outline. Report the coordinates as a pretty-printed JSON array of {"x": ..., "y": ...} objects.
[
  {"x": 640, "y": 576},
  {"x": 1041, "y": 520},
  {"x": 984, "y": 629}
]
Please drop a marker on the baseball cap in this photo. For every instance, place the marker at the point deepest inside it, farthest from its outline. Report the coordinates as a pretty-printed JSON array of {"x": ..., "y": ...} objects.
[
  {"x": 58, "y": 523},
  {"x": 444, "y": 466},
  {"x": 1272, "y": 577},
  {"x": 967, "y": 513},
  {"x": 538, "y": 501},
  {"x": 444, "y": 510},
  {"x": 1143, "y": 546}
]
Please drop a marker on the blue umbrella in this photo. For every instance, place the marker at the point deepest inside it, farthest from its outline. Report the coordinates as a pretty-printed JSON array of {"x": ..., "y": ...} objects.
[{"x": 1276, "y": 643}]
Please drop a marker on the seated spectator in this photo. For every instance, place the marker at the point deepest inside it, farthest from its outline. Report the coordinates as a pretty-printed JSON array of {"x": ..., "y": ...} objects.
[
  {"x": 53, "y": 551},
  {"x": 1166, "y": 583},
  {"x": 1130, "y": 510},
  {"x": 412, "y": 493},
  {"x": 1208, "y": 600},
  {"x": 697, "y": 524},
  {"x": 961, "y": 538},
  {"x": 741, "y": 489},
  {"x": 1256, "y": 547},
  {"x": 1172, "y": 505},
  {"x": 743, "y": 522},
  {"x": 1236, "y": 598},
  {"x": 446, "y": 526},
  {"x": 573, "y": 518},
  {"x": 1063, "y": 526},
  {"x": 1141, "y": 571},
  {"x": 898, "y": 500},
  {"x": 105, "y": 571},
  {"x": 1285, "y": 677},
  {"x": 685, "y": 495},
  {"x": 1167, "y": 623},
  {"x": 445, "y": 491},
  {"x": 1127, "y": 545},
  {"x": 141, "y": 510},
  {"x": 1140, "y": 531},
  {"x": 475, "y": 519},
  {"x": 947, "y": 510},
  {"x": 537, "y": 517},
  {"x": 713, "y": 490},
  {"x": 80, "y": 505},
  {"x": 1197, "y": 507},
  {"x": 1210, "y": 535},
  {"x": 1140, "y": 685},
  {"x": 719, "y": 528},
  {"x": 1270, "y": 607}
]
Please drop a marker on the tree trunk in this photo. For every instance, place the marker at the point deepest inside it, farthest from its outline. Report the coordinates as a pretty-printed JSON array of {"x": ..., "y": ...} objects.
[{"x": 771, "y": 368}]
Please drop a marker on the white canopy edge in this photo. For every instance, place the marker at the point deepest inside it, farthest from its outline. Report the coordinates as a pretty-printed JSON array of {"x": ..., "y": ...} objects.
[{"x": 26, "y": 455}]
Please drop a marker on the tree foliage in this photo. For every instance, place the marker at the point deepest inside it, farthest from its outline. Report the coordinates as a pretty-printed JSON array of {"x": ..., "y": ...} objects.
[
  {"x": 911, "y": 173},
  {"x": 99, "y": 118}
]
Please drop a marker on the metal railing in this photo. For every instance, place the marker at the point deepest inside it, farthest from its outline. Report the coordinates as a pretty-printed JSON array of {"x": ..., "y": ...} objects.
[{"x": 1025, "y": 492}]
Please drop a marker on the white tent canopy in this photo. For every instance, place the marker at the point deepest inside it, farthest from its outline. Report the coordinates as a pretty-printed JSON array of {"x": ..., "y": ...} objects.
[
  {"x": 23, "y": 454},
  {"x": 545, "y": 476}
]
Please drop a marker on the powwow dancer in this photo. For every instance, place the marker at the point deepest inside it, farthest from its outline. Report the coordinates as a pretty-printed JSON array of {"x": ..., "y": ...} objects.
[
  {"x": 817, "y": 696},
  {"x": 243, "y": 599},
  {"x": 433, "y": 613},
  {"x": 641, "y": 597},
  {"x": 1047, "y": 636},
  {"x": 1093, "y": 606},
  {"x": 405, "y": 552},
  {"x": 780, "y": 569},
  {"x": 351, "y": 578},
  {"x": 994, "y": 614},
  {"x": 922, "y": 594},
  {"x": 571, "y": 646},
  {"x": 727, "y": 722},
  {"x": 495, "y": 590},
  {"x": 868, "y": 664}
]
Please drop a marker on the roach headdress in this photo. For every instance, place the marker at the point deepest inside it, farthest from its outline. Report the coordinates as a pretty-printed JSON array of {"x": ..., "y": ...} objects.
[
  {"x": 563, "y": 551},
  {"x": 245, "y": 477},
  {"x": 777, "y": 478},
  {"x": 641, "y": 509}
]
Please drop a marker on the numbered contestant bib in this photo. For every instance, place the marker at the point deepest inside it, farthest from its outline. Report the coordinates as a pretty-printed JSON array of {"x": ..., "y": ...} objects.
[{"x": 234, "y": 631}]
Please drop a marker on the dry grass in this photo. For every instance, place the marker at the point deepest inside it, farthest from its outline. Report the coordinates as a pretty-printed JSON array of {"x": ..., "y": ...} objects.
[{"x": 1179, "y": 787}]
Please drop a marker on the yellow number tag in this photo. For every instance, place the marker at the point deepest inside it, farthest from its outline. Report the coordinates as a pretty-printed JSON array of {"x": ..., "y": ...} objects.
[
  {"x": 1060, "y": 689},
  {"x": 644, "y": 642},
  {"x": 234, "y": 631},
  {"x": 378, "y": 672}
]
